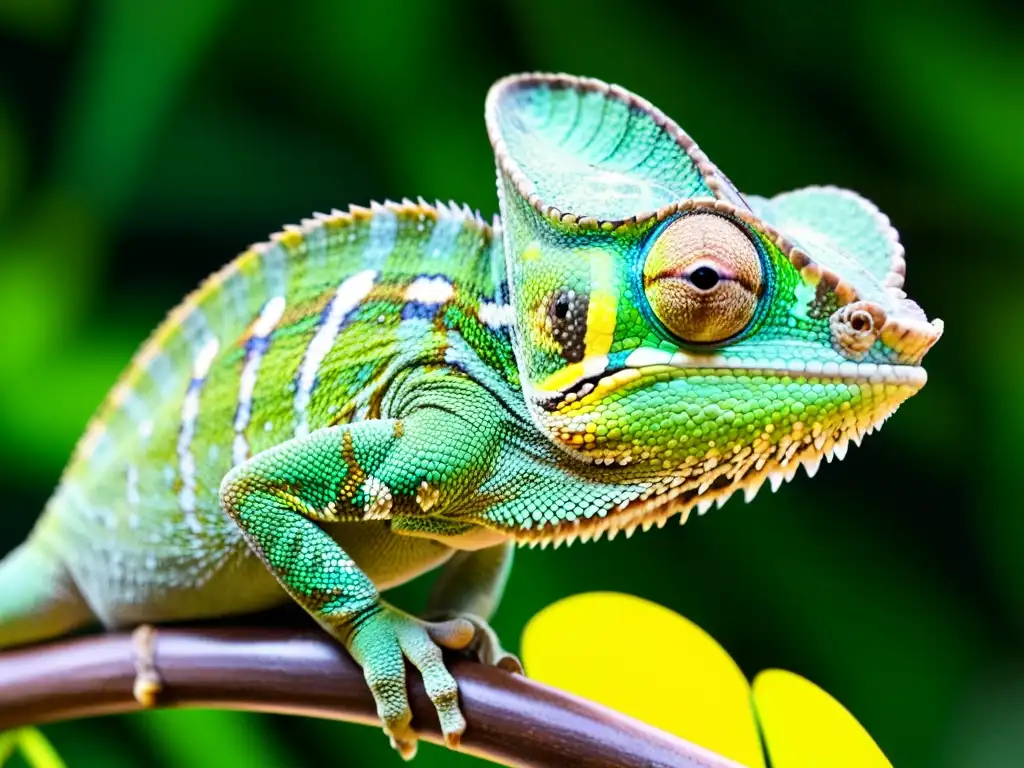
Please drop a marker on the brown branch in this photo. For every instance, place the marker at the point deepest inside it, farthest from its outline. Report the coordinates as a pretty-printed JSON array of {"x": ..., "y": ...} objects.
[{"x": 511, "y": 720}]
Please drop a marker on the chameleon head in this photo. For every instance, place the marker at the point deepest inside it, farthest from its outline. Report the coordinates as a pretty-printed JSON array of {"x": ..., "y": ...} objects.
[{"x": 673, "y": 332}]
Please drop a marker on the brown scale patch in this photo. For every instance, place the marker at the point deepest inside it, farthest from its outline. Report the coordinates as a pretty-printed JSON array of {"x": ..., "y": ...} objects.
[
  {"x": 355, "y": 477},
  {"x": 291, "y": 494},
  {"x": 567, "y": 313}
]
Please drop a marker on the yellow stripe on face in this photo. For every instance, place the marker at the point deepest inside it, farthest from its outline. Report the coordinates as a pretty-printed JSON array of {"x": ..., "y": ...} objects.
[
  {"x": 603, "y": 306},
  {"x": 565, "y": 377}
]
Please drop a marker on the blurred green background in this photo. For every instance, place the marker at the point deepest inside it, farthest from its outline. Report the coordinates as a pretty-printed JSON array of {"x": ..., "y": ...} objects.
[{"x": 142, "y": 144}]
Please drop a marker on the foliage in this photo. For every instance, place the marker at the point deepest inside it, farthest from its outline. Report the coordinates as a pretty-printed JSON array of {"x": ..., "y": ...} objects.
[
  {"x": 143, "y": 144},
  {"x": 32, "y": 747}
]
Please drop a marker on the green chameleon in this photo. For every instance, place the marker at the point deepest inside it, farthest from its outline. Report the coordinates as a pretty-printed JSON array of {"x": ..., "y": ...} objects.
[{"x": 383, "y": 391}]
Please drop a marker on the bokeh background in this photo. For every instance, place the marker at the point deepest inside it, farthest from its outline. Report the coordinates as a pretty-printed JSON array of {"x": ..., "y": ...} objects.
[{"x": 142, "y": 144}]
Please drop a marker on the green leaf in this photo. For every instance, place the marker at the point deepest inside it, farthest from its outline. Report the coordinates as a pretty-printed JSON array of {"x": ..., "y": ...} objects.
[
  {"x": 34, "y": 747},
  {"x": 214, "y": 738}
]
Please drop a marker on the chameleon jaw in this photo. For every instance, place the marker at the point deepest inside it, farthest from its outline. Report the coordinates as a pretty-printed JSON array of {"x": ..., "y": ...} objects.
[
  {"x": 774, "y": 455},
  {"x": 672, "y": 496}
]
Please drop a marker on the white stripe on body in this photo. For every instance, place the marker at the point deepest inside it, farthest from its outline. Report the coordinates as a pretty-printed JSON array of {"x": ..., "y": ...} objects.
[
  {"x": 269, "y": 317},
  {"x": 349, "y": 295},
  {"x": 429, "y": 290}
]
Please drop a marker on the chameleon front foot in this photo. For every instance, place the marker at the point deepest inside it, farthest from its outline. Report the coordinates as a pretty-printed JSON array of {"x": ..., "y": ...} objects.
[
  {"x": 384, "y": 638},
  {"x": 147, "y": 680}
]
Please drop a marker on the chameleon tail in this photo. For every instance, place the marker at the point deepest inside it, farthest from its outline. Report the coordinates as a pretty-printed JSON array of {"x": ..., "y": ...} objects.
[{"x": 38, "y": 598}]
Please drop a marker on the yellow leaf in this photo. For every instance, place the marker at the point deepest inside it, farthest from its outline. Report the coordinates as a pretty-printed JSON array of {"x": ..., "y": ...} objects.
[
  {"x": 648, "y": 662},
  {"x": 804, "y": 727}
]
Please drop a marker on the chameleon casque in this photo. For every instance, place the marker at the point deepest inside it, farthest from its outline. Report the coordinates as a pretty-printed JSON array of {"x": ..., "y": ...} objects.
[{"x": 383, "y": 391}]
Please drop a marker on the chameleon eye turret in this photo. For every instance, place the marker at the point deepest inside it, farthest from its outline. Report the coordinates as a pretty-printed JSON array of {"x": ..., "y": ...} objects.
[{"x": 703, "y": 278}]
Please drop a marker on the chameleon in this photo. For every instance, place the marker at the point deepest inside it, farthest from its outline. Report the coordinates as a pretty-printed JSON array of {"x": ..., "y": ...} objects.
[{"x": 385, "y": 391}]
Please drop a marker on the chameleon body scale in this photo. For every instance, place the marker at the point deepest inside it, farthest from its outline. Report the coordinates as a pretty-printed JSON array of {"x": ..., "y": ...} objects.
[{"x": 386, "y": 390}]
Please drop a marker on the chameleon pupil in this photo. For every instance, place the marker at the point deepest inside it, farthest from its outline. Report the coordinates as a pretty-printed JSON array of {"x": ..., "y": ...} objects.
[
  {"x": 704, "y": 278},
  {"x": 561, "y": 308}
]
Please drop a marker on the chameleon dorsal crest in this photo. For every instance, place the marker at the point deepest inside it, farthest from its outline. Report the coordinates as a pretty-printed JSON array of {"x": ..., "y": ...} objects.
[{"x": 652, "y": 299}]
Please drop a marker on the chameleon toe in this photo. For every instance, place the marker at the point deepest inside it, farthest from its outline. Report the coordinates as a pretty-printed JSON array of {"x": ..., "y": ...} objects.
[
  {"x": 420, "y": 647},
  {"x": 454, "y": 634}
]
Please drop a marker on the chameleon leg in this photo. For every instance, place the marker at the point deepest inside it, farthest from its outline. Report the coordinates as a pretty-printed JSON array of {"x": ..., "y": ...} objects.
[
  {"x": 359, "y": 471},
  {"x": 470, "y": 587},
  {"x": 473, "y": 582}
]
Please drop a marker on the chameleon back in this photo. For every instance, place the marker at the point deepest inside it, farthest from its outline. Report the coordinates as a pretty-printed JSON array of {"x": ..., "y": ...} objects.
[{"x": 295, "y": 334}]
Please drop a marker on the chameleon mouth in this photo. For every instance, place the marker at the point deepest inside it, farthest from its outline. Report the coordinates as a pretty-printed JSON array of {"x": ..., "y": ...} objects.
[
  {"x": 646, "y": 361},
  {"x": 576, "y": 391}
]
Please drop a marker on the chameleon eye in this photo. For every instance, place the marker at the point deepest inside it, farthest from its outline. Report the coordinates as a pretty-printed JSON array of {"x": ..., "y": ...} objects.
[{"x": 702, "y": 277}]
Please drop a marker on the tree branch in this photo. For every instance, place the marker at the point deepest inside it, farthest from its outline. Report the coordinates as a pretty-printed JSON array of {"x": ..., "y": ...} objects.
[{"x": 511, "y": 720}]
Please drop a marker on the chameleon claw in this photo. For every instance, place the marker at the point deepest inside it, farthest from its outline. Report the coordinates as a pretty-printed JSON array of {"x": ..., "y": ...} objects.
[
  {"x": 147, "y": 685},
  {"x": 510, "y": 663},
  {"x": 453, "y": 739},
  {"x": 405, "y": 748},
  {"x": 398, "y": 728}
]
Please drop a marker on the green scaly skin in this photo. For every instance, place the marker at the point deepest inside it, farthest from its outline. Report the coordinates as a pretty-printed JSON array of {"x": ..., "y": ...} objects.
[{"x": 383, "y": 391}]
